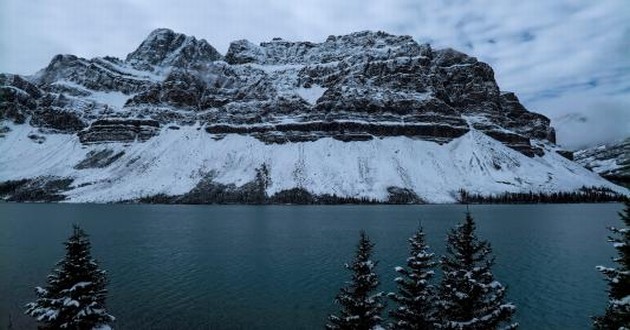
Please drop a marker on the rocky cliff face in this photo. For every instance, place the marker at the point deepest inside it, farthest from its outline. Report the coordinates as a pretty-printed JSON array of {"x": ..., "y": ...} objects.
[
  {"x": 353, "y": 87},
  {"x": 356, "y": 88},
  {"x": 164, "y": 48}
]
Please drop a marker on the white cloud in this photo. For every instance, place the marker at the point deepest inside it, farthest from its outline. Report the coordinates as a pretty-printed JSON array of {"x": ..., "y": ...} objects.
[
  {"x": 548, "y": 52},
  {"x": 585, "y": 119}
]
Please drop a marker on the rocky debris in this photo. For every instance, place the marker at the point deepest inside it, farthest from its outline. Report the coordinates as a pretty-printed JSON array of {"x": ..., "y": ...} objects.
[
  {"x": 4, "y": 130},
  {"x": 99, "y": 159},
  {"x": 39, "y": 139},
  {"x": 41, "y": 189},
  {"x": 120, "y": 130},
  {"x": 611, "y": 161}
]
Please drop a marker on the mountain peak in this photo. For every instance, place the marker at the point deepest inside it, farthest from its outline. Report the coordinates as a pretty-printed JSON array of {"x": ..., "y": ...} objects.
[
  {"x": 161, "y": 32},
  {"x": 164, "y": 47},
  {"x": 173, "y": 120}
]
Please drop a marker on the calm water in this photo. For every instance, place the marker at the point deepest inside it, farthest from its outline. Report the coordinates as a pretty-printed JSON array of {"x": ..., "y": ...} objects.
[{"x": 279, "y": 267}]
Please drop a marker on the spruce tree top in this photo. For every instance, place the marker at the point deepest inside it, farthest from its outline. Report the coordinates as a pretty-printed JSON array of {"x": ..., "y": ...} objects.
[
  {"x": 75, "y": 295},
  {"x": 617, "y": 315},
  {"x": 464, "y": 249},
  {"x": 360, "y": 305},
  {"x": 416, "y": 295},
  {"x": 469, "y": 296}
]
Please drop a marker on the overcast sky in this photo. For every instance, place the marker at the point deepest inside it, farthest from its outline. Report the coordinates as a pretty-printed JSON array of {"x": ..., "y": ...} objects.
[{"x": 560, "y": 56}]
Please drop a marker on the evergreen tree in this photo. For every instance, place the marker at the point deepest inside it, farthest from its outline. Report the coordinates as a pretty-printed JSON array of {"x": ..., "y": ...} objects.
[
  {"x": 469, "y": 296},
  {"x": 415, "y": 296},
  {"x": 617, "y": 315},
  {"x": 75, "y": 295},
  {"x": 360, "y": 306}
]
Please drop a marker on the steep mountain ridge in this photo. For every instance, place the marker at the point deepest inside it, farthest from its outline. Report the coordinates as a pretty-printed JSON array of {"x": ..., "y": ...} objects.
[
  {"x": 611, "y": 161},
  {"x": 363, "y": 90},
  {"x": 163, "y": 47}
]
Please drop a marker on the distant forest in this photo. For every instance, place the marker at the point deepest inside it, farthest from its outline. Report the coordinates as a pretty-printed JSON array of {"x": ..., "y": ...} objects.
[
  {"x": 254, "y": 193},
  {"x": 396, "y": 196},
  {"x": 583, "y": 195}
]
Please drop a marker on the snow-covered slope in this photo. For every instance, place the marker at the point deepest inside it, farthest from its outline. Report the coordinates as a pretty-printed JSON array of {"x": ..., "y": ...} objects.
[
  {"x": 174, "y": 162},
  {"x": 611, "y": 161},
  {"x": 362, "y": 115}
]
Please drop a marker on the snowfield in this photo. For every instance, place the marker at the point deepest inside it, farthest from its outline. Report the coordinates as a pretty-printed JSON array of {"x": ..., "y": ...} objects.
[{"x": 175, "y": 161}]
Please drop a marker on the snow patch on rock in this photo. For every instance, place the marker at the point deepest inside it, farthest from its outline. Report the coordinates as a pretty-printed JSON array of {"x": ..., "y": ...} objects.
[{"x": 311, "y": 94}]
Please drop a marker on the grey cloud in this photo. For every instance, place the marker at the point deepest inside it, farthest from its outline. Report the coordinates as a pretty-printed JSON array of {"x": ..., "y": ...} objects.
[
  {"x": 586, "y": 119},
  {"x": 546, "y": 51}
]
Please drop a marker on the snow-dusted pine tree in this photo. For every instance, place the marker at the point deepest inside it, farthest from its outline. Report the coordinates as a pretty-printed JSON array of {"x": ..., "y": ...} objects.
[
  {"x": 361, "y": 306},
  {"x": 416, "y": 296},
  {"x": 75, "y": 295},
  {"x": 469, "y": 296},
  {"x": 617, "y": 315}
]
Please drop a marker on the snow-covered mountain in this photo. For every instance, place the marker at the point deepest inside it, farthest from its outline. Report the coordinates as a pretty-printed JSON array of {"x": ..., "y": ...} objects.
[
  {"x": 364, "y": 115},
  {"x": 612, "y": 161}
]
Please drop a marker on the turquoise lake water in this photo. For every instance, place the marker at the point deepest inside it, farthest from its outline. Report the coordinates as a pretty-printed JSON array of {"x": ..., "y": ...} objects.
[{"x": 279, "y": 267}]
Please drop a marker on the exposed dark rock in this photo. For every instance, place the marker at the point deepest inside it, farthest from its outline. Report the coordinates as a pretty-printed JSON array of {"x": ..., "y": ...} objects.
[
  {"x": 4, "y": 130},
  {"x": 566, "y": 154},
  {"x": 37, "y": 138},
  {"x": 18, "y": 98},
  {"x": 518, "y": 119},
  {"x": 344, "y": 131},
  {"x": 95, "y": 74},
  {"x": 120, "y": 130},
  {"x": 99, "y": 159},
  {"x": 399, "y": 195},
  {"x": 63, "y": 121},
  {"x": 14, "y": 112},
  {"x": 20, "y": 84},
  {"x": 42, "y": 189},
  {"x": 513, "y": 140},
  {"x": 180, "y": 89},
  {"x": 7, "y": 188},
  {"x": 243, "y": 51},
  {"x": 163, "y": 47}
]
